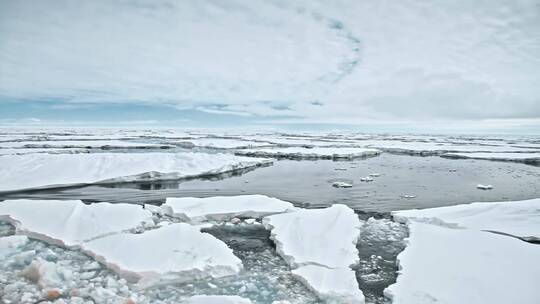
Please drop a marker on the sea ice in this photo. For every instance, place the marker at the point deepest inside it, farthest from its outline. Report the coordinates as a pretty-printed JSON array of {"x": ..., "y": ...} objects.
[
  {"x": 38, "y": 170},
  {"x": 226, "y": 207},
  {"x": 455, "y": 266},
  {"x": 310, "y": 153},
  {"x": 177, "y": 252},
  {"x": 321, "y": 245},
  {"x": 206, "y": 299},
  {"x": 70, "y": 223},
  {"x": 91, "y": 144},
  {"x": 518, "y": 218},
  {"x": 531, "y": 158},
  {"x": 484, "y": 187},
  {"x": 222, "y": 143},
  {"x": 340, "y": 184}
]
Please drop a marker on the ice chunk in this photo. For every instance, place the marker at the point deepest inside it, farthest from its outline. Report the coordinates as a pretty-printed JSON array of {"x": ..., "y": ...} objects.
[
  {"x": 312, "y": 153},
  {"x": 366, "y": 179},
  {"x": 177, "y": 252},
  {"x": 340, "y": 184},
  {"x": 38, "y": 170},
  {"x": 445, "y": 265},
  {"x": 46, "y": 274},
  {"x": 222, "y": 143},
  {"x": 10, "y": 244},
  {"x": 484, "y": 187},
  {"x": 518, "y": 218},
  {"x": 205, "y": 299},
  {"x": 69, "y": 223},
  {"x": 226, "y": 207},
  {"x": 321, "y": 244}
]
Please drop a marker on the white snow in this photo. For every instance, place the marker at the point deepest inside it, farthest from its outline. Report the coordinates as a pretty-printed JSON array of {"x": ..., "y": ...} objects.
[
  {"x": 455, "y": 266},
  {"x": 317, "y": 152},
  {"x": 70, "y": 223},
  {"x": 38, "y": 170},
  {"x": 523, "y": 157},
  {"x": 177, "y": 252},
  {"x": 321, "y": 244},
  {"x": 519, "y": 218},
  {"x": 338, "y": 285},
  {"x": 207, "y": 299},
  {"x": 226, "y": 207}
]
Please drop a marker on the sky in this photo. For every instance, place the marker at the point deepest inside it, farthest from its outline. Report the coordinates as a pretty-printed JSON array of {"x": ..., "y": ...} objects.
[{"x": 377, "y": 65}]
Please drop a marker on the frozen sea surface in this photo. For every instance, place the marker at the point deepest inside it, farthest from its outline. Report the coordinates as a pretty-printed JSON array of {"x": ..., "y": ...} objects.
[{"x": 411, "y": 172}]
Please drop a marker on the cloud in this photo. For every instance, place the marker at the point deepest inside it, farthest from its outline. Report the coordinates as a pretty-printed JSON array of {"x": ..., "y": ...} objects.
[{"x": 314, "y": 61}]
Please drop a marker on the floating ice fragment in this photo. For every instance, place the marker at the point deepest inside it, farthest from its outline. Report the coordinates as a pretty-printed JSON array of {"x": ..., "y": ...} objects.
[
  {"x": 484, "y": 187},
  {"x": 341, "y": 184},
  {"x": 366, "y": 179}
]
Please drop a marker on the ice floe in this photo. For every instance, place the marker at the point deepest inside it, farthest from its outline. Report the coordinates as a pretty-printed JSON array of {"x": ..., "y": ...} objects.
[
  {"x": 89, "y": 144},
  {"x": 454, "y": 266},
  {"x": 310, "y": 153},
  {"x": 177, "y": 252},
  {"x": 321, "y": 245},
  {"x": 518, "y": 218},
  {"x": 484, "y": 187},
  {"x": 221, "y": 143},
  {"x": 341, "y": 184},
  {"x": 226, "y": 207},
  {"x": 39, "y": 170},
  {"x": 437, "y": 148},
  {"x": 70, "y": 223},
  {"x": 530, "y": 158}
]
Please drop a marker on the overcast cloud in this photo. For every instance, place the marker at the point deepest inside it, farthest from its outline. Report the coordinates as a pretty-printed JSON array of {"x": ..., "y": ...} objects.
[{"x": 342, "y": 61}]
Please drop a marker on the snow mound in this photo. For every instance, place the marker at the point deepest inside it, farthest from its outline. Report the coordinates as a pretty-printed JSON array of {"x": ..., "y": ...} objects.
[
  {"x": 529, "y": 158},
  {"x": 177, "y": 252},
  {"x": 518, "y": 218},
  {"x": 226, "y": 207},
  {"x": 454, "y": 266},
  {"x": 70, "y": 223},
  {"x": 321, "y": 244},
  {"x": 38, "y": 170},
  {"x": 310, "y": 153},
  {"x": 205, "y": 299}
]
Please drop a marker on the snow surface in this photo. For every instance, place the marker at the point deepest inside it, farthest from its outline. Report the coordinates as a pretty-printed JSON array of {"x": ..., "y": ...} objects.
[
  {"x": 521, "y": 157},
  {"x": 317, "y": 152},
  {"x": 454, "y": 266},
  {"x": 222, "y": 143},
  {"x": 176, "y": 252},
  {"x": 519, "y": 218},
  {"x": 70, "y": 223},
  {"x": 206, "y": 299},
  {"x": 82, "y": 144},
  {"x": 226, "y": 207},
  {"x": 38, "y": 170},
  {"x": 321, "y": 245}
]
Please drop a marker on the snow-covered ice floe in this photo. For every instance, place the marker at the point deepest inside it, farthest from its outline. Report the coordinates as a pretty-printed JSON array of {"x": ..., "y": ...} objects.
[
  {"x": 310, "y": 153},
  {"x": 528, "y": 158},
  {"x": 39, "y": 170},
  {"x": 70, "y": 223},
  {"x": 438, "y": 148},
  {"x": 89, "y": 144},
  {"x": 452, "y": 255},
  {"x": 518, "y": 218},
  {"x": 226, "y": 207},
  {"x": 320, "y": 244},
  {"x": 176, "y": 252},
  {"x": 221, "y": 143}
]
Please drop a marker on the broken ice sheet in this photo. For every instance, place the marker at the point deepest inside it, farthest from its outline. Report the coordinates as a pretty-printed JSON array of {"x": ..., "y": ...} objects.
[
  {"x": 39, "y": 170},
  {"x": 311, "y": 153},
  {"x": 320, "y": 245}
]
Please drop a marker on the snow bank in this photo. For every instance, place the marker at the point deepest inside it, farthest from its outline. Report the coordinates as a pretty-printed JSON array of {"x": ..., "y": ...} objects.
[
  {"x": 518, "y": 218},
  {"x": 205, "y": 299},
  {"x": 310, "y": 153},
  {"x": 226, "y": 207},
  {"x": 70, "y": 223},
  {"x": 321, "y": 244},
  {"x": 445, "y": 265},
  {"x": 38, "y": 170},
  {"x": 177, "y": 252},
  {"x": 530, "y": 158}
]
